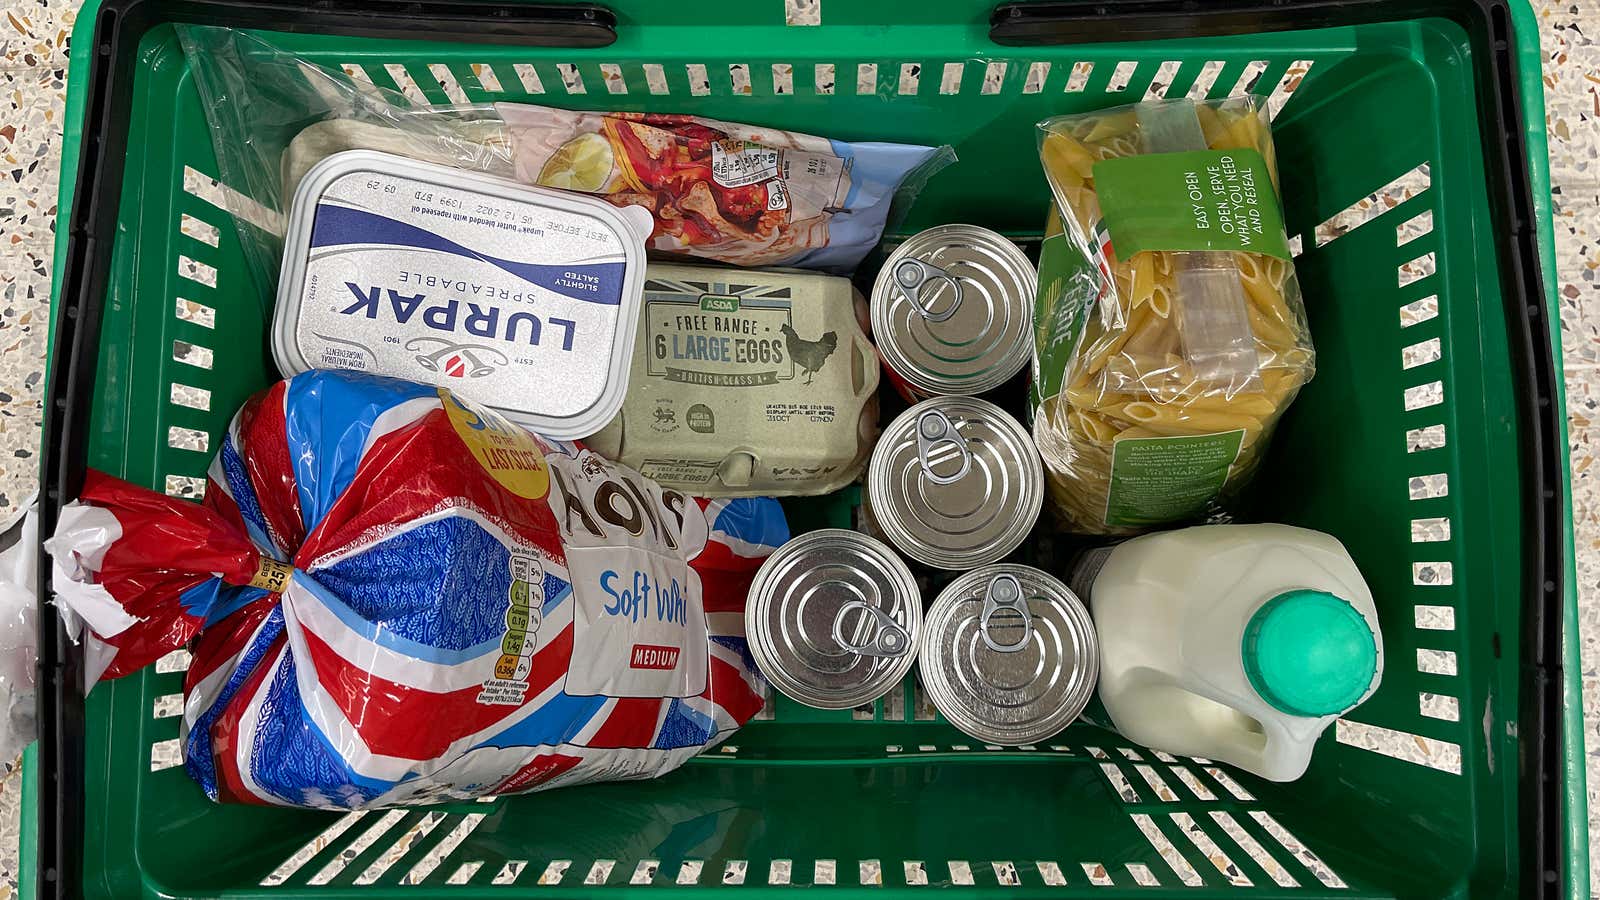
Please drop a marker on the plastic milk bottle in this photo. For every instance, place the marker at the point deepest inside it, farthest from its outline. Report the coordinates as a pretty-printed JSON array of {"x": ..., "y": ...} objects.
[{"x": 1238, "y": 643}]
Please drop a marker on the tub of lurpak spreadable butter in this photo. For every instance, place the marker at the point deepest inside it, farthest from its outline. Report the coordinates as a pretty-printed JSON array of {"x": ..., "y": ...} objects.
[{"x": 522, "y": 298}]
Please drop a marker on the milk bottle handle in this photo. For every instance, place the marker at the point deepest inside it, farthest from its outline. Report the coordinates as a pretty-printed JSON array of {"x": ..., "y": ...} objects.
[{"x": 1271, "y": 752}]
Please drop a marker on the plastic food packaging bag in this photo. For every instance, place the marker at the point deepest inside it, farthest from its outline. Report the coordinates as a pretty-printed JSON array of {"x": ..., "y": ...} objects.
[
  {"x": 397, "y": 597},
  {"x": 1169, "y": 333},
  {"x": 273, "y": 115},
  {"x": 19, "y": 633},
  {"x": 736, "y": 193},
  {"x": 718, "y": 190}
]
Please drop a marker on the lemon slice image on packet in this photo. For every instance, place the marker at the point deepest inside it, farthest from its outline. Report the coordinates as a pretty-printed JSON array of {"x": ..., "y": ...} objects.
[{"x": 584, "y": 163}]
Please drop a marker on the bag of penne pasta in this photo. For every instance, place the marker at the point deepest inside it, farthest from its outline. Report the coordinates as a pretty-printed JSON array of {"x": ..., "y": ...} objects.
[{"x": 1169, "y": 330}]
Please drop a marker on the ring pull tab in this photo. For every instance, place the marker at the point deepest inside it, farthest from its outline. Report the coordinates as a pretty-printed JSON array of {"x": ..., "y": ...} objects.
[
  {"x": 934, "y": 429},
  {"x": 917, "y": 278},
  {"x": 1005, "y": 593},
  {"x": 890, "y": 640}
]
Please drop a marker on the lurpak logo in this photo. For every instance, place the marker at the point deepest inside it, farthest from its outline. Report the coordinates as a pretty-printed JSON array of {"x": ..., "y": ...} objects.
[
  {"x": 456, "y": 360},
  {"x": 482, "y": 321}
]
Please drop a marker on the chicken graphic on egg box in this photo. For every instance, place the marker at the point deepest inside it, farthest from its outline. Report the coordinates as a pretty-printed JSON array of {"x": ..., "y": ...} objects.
[{"x": 747, "y": 382}]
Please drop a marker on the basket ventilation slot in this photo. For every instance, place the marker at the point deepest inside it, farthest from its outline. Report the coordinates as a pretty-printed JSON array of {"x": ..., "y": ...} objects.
[
  {"x": 188, "y": 439},
  {"x": 1428, "y": 487},
  {"x": 1413, "y": 228},
  {"x": 199, "y": 229},
  {"x": 191, "y": 354},
  {"x": 1412, "y": 748},
  {"x": 176, "y": 661},
  {"x": 782, "y": 79},
  {"x": 572, "y": 79},
  {"x": 464, "y": 872},
  {"x": 1096, "y": 873},
  {"x": 1418, "y": 311},
  {"x": 1080, "y": 77},
  {"x": 230, "y": 201},
  {"x": 1439, "y": 706},
  {"x": 1436, "y": 662},
  {"x": 488, "y": 79},
  {"x": 187, "y": 487},
  {"x": 1429, "y": 617},
  {"x": 1300, "y": 851},
  {"x": 443, "y": 849},
  {"x": 1248, "y": 78},
  {"x": 1142, "y": 876},
  {"x": 197, "y": 271},
  {"x": 1266, "y": 861},
  {"x": 1431, "y": 437},
  {"x": 313, "y": 847},
  {"x": 402, "y": 845},
  {"x": 1164, "y": 846},
  {"x": 1375, "y": 204}
]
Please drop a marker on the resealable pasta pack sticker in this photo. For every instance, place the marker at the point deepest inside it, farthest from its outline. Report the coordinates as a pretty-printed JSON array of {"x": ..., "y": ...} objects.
[{"x": 1199, "y": 200}]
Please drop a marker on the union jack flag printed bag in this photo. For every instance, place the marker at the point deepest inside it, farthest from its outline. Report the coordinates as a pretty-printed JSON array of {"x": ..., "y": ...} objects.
[{"x": 397, "y": 597}]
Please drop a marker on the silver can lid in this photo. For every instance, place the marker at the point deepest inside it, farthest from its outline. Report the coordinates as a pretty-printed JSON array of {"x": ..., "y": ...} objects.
[
  {"x": 955, "y": 483},
  {"x": 952, "y": 310},
  {"x": 522, "y": 298},
  {"x": 998, "y": 675},
  {"x": 834, "y": 619}
]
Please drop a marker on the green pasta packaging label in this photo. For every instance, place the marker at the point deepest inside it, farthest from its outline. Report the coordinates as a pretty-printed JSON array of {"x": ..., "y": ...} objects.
[
  {"x": 1166, "y": 479},
  {"x": 1060, "y": 308},
  {"x": 1197, "y": 200}
]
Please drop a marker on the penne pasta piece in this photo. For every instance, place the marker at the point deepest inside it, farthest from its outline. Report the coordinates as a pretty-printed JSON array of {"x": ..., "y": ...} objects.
[
  {"x": 1112, "y": 342},
  {"x": 1142, "y": 280},
  {"x": 1211, "y": 127},
  {"x": 1063, "y": 154},
  {"x": 1267, "y": 296},
  {"x": 1161, "y": 301},
  {"x": 1269, "y": 330},
  {"x": 1136, "y": 432},
  {"x": 1093, "y": 426},
  {"x": 1083, "y": 396}
]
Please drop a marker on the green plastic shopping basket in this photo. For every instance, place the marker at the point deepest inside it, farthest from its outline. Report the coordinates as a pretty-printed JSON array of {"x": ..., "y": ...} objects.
[{"x": 1410, "y": 138}]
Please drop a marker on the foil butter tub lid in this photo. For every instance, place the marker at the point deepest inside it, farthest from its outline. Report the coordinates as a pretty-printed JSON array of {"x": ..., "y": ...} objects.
[
  {"x": 834, "y": 619},
  {"x": 955, "y": 483},
  {"x": 1009, "y": 654},
  {"x": 952, "y": 310},
  {"x": 525, "y": 299}
]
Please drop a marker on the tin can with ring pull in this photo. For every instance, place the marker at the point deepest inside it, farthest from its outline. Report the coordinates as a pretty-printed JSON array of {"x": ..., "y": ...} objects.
[
  {"x": 952, "y": 312},
  {"x": 954, "y": 483},
  {"x": 834, "y": 619},
  {"x": 1009, "y": 654}
]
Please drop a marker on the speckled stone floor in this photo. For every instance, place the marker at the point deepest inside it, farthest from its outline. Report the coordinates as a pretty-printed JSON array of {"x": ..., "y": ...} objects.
[{"x": 33, "y": 58}]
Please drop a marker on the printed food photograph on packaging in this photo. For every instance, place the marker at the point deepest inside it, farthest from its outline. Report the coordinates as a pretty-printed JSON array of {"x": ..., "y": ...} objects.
[{"x": 635, "y": 436}]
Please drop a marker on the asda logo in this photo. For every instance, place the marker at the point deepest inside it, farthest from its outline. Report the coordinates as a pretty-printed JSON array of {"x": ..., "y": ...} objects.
[{"x": 716, "y": 303}]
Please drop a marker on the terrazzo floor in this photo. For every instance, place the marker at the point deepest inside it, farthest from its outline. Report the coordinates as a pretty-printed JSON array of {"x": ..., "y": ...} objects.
[{"x": 34, "y": 45}]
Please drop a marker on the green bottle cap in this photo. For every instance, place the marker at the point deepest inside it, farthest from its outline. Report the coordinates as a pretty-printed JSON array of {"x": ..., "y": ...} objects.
[{"x": 1309, "y": 653}]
